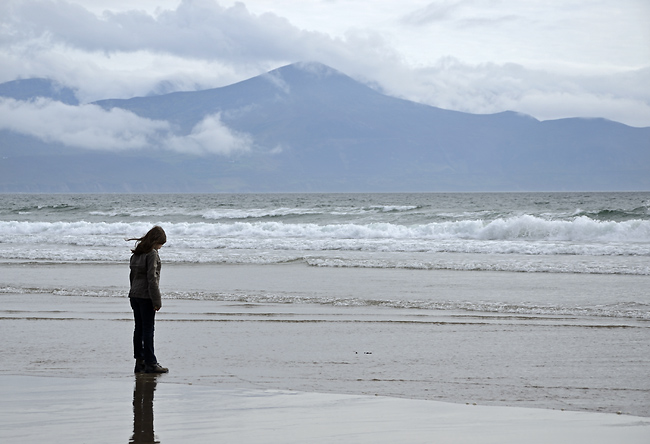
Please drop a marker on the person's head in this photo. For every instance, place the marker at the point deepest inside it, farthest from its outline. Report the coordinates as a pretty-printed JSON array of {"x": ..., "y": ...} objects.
[{"x": 154, "y": 239}]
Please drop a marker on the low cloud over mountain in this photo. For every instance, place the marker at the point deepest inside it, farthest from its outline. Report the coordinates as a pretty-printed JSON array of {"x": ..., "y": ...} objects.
[{"x": 303, "y": 127}]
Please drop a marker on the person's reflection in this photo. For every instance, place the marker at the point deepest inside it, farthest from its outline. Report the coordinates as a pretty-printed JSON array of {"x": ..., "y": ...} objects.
[{"x": 145, "y": 385}]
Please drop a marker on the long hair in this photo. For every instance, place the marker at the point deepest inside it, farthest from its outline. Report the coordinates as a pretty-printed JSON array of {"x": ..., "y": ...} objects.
[{"x": 144, "y": 244}]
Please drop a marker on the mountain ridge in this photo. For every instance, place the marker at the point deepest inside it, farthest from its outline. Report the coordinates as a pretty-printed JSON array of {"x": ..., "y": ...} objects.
[
  {"x": 313, "y": 128},
  {"x": 29, "y": 89}
]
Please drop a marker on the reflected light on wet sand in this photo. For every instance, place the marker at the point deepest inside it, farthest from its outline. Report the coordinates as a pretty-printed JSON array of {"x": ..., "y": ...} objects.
[
  {"x": 143, "y": 394},
  {"x": 61, "y": 410}
]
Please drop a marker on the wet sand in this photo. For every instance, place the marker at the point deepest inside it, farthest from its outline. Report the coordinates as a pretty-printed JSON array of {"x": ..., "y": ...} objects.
[
  {"x": 151, "y": 409},
  {"x": 286, "y": 372}
]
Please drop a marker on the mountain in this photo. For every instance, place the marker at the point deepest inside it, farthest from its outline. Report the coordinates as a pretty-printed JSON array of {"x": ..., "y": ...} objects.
[
  {"x": 28, "y": 89},
  {"x": 315, "y": 129}
]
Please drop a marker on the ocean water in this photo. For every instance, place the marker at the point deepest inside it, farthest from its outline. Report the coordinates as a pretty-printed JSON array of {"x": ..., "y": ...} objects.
[
  {"x": 534, "y": 299},
  {"x": 574, "y": 233},
  {"x": 599, "y": 233},
  {"x": 607, "y": 232}
]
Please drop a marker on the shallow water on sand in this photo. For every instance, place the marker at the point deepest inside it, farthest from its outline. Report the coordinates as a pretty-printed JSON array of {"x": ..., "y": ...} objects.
[
  {"x": 146, "y": 408},
  {"x": 492, "y": 338}
]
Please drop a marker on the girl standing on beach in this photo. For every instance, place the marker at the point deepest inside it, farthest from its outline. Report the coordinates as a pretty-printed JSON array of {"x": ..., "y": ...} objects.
[{"x": 145, "y": 298}]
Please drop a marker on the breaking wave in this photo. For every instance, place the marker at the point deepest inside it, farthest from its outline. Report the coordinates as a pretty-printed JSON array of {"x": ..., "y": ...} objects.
[{"x": 521, "y": 228}]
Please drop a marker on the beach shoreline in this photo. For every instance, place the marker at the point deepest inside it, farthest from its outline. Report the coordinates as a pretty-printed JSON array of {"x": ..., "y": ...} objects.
[
  {"x": 279, "y": 354},
  {"x": 267, "y": 333},
  {"x": 147, "y": 408},
  {"x": 461, "y": 317}
]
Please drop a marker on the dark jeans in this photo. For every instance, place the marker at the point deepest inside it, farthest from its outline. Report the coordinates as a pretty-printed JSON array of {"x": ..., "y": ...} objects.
[{"x": 144, "y": 315}]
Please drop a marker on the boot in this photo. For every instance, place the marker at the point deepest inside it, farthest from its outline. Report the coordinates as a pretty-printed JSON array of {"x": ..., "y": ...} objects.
[
  {"x": 155, "y": 368},
  {"x": 139, "y": 366}
]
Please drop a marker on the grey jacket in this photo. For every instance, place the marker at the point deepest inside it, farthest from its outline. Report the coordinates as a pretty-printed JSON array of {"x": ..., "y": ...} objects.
[{"x": 145, "y": 277}]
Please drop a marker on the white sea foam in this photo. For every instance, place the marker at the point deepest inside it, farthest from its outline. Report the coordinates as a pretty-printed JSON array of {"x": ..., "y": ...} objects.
[
  {"x": 528, "y": 228},
  {"x": 226, "y": 213},
  {"x": 256, "y": 213},
  {"x": 490, "y": 232}
]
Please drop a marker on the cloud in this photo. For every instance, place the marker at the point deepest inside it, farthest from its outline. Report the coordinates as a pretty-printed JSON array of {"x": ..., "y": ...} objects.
[
  {"x": 200, "y": 44},
  {"x": 85, "y": 126},
  {"x": 277, "y": 81},
  {"x": 91, "y": 127},
  {"x": 196, "y": 28},
  {"x": 211, "y": 136},
  {"x": 435, "y": 12},
  {"x": 461, "y": 13},
  {"x": 491, "y": 88},
  {"x": 122, "y": 75}
]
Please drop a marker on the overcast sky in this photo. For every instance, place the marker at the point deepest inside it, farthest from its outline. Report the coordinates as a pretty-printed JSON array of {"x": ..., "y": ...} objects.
[{"x": 546, "y": 58}]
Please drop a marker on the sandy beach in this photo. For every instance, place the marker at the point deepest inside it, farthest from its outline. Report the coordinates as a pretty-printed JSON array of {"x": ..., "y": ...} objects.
[
  {"x": 41, "y": 409},
  {"x": 274, "y": 370}
]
